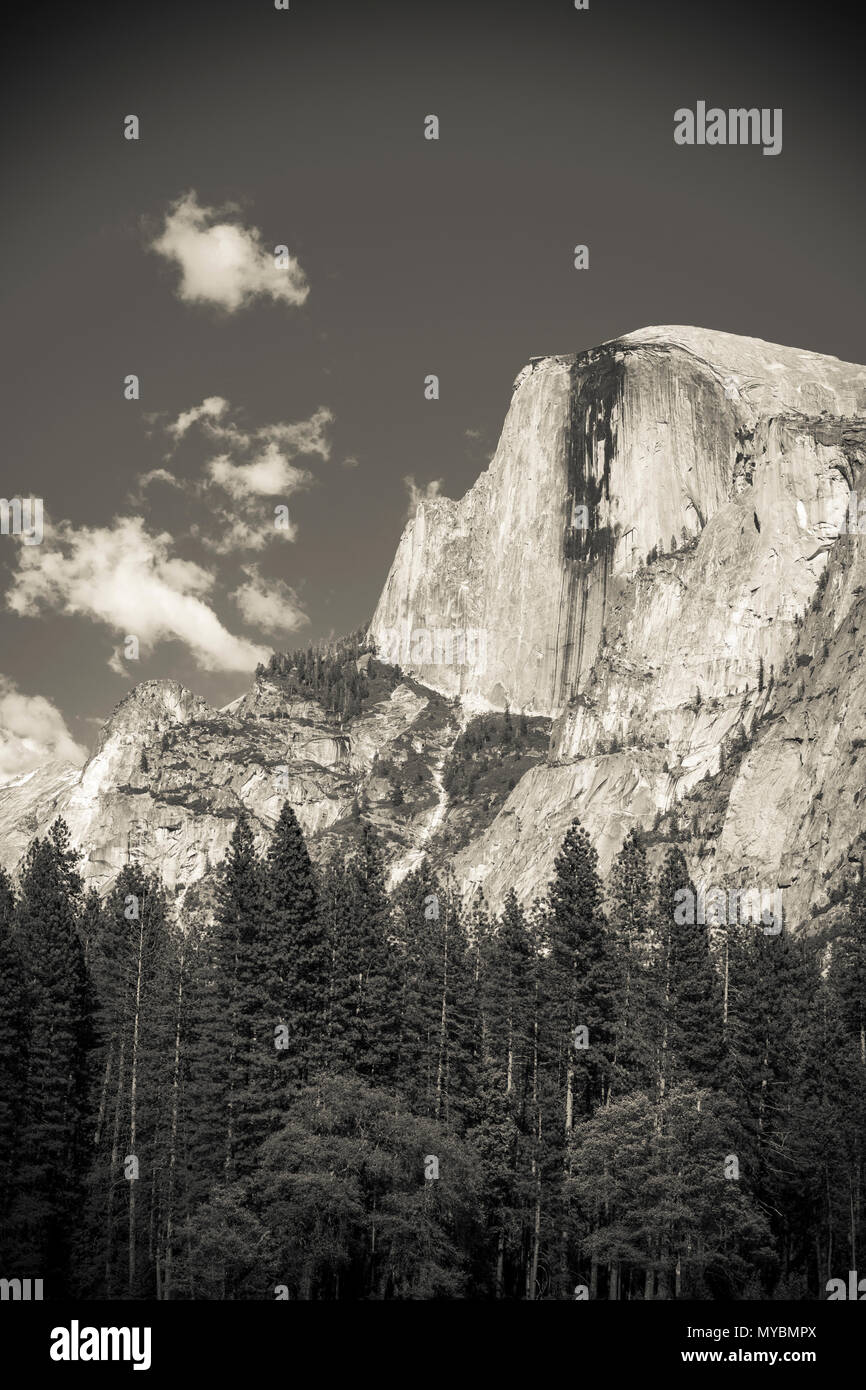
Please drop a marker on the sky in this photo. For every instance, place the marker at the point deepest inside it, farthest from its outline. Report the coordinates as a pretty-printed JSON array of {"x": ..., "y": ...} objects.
[{"x": 300, "y": 386}]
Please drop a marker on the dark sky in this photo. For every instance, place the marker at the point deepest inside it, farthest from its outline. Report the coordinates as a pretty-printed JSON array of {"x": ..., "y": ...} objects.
[{"x": 451, "y": 257}]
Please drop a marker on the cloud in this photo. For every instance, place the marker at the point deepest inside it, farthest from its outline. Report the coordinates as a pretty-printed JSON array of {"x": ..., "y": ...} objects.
[
  {"x": 123, "y": 577},
  {"x": 157, "y": 475},
  {"x": 32, "y": 732},
  {"x": 302, "y": 436},
  {"x": 292, "y": 436},
  {"x": 224, "y": 263},
  {"x": 269, "y": 604},
  {"x": 212, "y": 407},
  {"x": 237, "y": 533},
  {"x": 417, "y": 494},
  {"x": 251, "y": 465},
  {"x": 269, "y": 475}
]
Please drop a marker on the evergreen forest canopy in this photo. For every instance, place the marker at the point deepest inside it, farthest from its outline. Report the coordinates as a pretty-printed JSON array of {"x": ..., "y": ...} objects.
[
  {"x": 329, "y": 1094},
  {"x": 327, "y": 671}
]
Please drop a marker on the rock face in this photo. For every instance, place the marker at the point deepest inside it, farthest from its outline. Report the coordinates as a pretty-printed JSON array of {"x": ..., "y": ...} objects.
[
  {"x": 655, "y": 561},
  {"x": 655, "y": 435},
  {"x": 709, "y": 478},
  {"x": 170, "y": 775}
]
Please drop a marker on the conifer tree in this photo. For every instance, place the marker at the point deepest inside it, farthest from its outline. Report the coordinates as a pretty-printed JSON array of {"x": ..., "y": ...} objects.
[
  {"x": 693, "y": 1025},
  {"x": 581, "y": 983},
  {"x": 201, "y": 1079},
  {"x": 773, "y": 992},
  {"x": 505, "y": 1134},
  {"x": 14, "y": 1042},
  {"x": 293, "y": 956},
  {"x": 438, "y": 1022},
  {"x": 364, "y": 1002},
  {"x": 579, "y": 993},
  {"x": 133, "y": 961},
  {"x": 633, "y": 929},
  {"x": 848, "y": 972},
  {"x": 53, "y": 1147},
  {"x": 238, "y": 1022}
]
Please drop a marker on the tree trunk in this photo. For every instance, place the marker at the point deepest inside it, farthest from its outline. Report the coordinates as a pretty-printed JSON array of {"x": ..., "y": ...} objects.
[
  {"x": 103, "y": 1097},
  {"x": 112, "y": 1172},
  {"x": 443, "y": 1027},
  {"x": 172, "y": 1142},
  {"x": 536, "y": 1166},
  {"x": 500, "y": 1265},
  {"x": 133, "y": 1096}
]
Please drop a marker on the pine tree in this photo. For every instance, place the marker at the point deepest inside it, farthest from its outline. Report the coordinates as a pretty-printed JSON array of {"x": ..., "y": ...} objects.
[
  {"x": 507, "y": 1131},
  {"x": 774, "y": 983},
  {"x": 579, "y": 991},
  {"x": 633, "y": 927},
  {"x": 238, "y": 1024},
  {"x": 133, "y": 964},
  {"x": 817, "y": 1185},
  {"x": 580, "y": 985},
  {"x": 848, "y": 972},
  {"x": 364, "y": 1002},
  {"x": 293, "y": 959},
  {"x": 201, "y": 1078},
  {"x": 829, "y": 1136},
  {"x": 438, "y": 1022},
  {"x": 14, "y": 1043},
  {"x": 53, "y": 1148},
  {"x": 693, "y": 1024}
]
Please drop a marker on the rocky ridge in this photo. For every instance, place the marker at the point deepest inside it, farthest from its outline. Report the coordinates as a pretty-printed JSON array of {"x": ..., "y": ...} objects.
[{"x": 655, "y": 563}]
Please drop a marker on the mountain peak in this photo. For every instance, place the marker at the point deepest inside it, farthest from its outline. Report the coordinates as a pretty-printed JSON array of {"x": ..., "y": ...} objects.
[
  {"x": 793, "y": 371},
  {"x": 158, "y": 704}
]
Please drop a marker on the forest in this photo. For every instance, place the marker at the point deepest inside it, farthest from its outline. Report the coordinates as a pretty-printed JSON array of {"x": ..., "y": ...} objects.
[
  {"x": 327, "y": 672},
  {"x": 320, "y": 1091}
]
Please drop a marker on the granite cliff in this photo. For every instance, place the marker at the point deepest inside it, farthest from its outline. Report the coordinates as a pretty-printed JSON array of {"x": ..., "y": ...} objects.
[{"x": 657, "y": 569}]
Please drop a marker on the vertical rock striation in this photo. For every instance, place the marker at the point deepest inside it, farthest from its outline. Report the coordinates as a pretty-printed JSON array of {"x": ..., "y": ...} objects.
[{"x": 713, "y": 472}]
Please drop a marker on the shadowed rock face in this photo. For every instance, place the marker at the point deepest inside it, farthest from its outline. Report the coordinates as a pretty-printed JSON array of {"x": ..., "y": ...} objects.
[
  {"x": 653, "y": 561},
  {"x": 655, "y": 434},
  {"x": 715, "y": 473}
]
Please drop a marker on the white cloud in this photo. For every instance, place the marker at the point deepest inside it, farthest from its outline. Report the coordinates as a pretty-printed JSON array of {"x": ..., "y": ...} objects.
[
  {"x": 269, "y": 475},
  {"x": 211, "y": 408},
  {"x": 32, "y": 732},
  {"x": 157, "y": 475},
  {"x": 302, "y": 436},
  {"x": 269, "y": 604},
  {"x": 253, "y": 464},
  {"x": 237, "y": 533},
  {"x": 123, "y": 577},
  {"x": 292, "y": 436},
  {"x": 222, "y": 262},
  {"x": 417, "y": 494}
]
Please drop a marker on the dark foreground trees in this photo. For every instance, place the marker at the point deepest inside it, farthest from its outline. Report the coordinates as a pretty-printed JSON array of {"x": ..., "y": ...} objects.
[{"x": 316, "y": 1090}]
